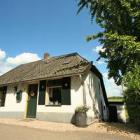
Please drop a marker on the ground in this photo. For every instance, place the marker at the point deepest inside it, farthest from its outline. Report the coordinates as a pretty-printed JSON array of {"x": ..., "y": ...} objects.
[
  {"x": 39, "y": 130},
  {"x": 8, "y": 132}
]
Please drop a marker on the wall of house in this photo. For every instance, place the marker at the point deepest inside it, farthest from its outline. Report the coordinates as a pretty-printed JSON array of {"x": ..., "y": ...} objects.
[
  {"x": 12, "y": 109},
  {"x": 94, "y": 98},
  {"x": 63, "y": 113}
]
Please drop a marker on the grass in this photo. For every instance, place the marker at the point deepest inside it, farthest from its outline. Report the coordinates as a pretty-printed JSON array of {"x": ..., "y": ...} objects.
[{"x": 115, "y": 99}]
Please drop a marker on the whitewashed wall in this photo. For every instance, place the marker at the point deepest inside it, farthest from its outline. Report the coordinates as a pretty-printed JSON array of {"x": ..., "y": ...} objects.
[
  {"x": 76, "y": 99},
  {"x": 63, "y": 113},
  {"x": 10, "y": 100},
  {"x": 94, "y": 98}
]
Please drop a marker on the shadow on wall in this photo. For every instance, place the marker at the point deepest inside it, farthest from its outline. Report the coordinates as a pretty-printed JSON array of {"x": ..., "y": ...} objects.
[
  {"x": 92, "y": 87},
  {"x": 76, "y": 84}
]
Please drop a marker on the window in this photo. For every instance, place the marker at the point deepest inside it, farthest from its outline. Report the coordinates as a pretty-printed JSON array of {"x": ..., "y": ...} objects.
[
  {"x": 55, "y": 96},
  {"x": 3, "y": 91},
  {"x": 58, "y": 92}
]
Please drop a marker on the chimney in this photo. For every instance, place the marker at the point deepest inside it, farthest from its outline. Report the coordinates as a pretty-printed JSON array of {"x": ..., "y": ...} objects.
[{"x": 46, "y": 56}]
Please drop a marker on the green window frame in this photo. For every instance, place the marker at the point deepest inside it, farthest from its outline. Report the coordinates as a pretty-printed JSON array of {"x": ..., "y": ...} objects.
[{"x": 65, "y": 85}]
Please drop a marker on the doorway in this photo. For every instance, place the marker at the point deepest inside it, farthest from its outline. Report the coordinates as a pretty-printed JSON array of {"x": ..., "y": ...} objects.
[{"x": 32, "y": 101}]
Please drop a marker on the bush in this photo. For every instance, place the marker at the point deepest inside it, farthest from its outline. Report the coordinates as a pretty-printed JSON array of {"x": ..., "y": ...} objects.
[
  {"x": 132, "y": 99},
  {"x": 82, "y": 109}
]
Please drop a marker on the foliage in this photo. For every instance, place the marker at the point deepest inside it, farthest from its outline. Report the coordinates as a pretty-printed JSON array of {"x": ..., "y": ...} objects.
[
  {"x": 120, "y": 20},
  {"x": 82, "y": 109},
  {"x": 132, "y": 94},
  {"x": 132, "y": 78},
  {"x": 132, "y": 98}
]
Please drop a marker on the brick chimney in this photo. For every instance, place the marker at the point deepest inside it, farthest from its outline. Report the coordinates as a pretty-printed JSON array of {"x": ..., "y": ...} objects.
[{"x": 46, "y": 56}]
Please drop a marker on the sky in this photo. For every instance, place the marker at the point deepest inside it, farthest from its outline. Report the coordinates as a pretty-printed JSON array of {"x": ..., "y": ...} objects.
[{"x": 29, "y": 28}]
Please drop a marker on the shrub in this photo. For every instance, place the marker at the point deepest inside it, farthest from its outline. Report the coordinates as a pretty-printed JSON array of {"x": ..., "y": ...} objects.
[
  {"x": 132, "y": 99},
  {"x": 82, "y": 109}
]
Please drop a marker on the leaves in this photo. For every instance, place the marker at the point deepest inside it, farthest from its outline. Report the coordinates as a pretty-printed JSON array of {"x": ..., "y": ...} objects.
[{"x": 120, "y": 20}]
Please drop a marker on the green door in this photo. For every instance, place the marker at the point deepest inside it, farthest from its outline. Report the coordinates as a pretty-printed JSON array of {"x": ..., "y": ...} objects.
[{"x": 32, "y": 101}]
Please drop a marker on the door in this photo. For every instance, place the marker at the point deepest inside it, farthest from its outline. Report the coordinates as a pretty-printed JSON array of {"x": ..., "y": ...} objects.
[
  {"x": 113, "y": 117},
  {"x": 32, "y": 101}
]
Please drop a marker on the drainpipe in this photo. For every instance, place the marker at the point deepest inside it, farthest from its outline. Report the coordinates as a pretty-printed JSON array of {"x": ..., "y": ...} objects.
[{"x": 84, "y": 92}]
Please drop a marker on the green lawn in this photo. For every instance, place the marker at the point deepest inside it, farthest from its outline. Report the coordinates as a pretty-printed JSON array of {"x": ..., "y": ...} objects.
[{"x": 115, "y": 99}]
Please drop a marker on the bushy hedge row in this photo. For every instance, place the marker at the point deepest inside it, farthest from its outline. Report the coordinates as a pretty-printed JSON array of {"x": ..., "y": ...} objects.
[{"x": 132, "y": 99}]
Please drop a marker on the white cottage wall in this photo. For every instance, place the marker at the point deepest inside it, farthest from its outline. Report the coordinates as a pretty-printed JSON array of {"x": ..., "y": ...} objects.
[
  {"x": 63, "y": 113},
  {"x": 94, "y": 98},
  {"x": 12, "y": 109}
]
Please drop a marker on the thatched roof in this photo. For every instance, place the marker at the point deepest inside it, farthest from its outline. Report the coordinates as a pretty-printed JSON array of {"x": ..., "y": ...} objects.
[{"x": 61, "y": 66}]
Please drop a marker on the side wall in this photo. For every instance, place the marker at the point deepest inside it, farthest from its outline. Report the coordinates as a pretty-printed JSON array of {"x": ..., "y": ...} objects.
[{"x": 94, "y": 98}]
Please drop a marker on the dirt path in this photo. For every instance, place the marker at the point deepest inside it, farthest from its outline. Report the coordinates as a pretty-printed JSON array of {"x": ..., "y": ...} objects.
[{"x": 12, "y": 132}]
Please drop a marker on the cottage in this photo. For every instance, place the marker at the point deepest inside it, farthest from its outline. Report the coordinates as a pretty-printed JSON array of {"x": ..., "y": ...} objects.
[{"x": 52, "y": 88}]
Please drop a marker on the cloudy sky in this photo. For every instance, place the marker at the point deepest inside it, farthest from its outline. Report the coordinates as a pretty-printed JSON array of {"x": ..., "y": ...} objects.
[{"x": 31, "y": 27}]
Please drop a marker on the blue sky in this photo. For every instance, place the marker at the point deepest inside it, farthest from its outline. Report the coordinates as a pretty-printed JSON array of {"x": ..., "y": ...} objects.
[{"x": 53, "y": 26}]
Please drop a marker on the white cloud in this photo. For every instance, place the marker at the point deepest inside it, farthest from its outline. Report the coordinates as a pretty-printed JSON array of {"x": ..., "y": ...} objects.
[
  {"x": 4, "y": 67},
  {"x": 22, "y": 58},
  {"x": 111, "y": 88},
  {"x": 11, "y": 62},
  {"x": 2, "y": 54},
  {"x": 98, "y": 48}
]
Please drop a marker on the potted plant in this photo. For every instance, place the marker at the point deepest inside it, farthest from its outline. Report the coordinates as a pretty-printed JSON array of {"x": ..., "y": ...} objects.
[{"x": 81, "y": 116}]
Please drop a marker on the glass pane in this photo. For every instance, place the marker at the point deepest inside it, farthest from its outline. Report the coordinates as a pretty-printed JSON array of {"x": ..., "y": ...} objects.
[{"x": 55, "y": 96}]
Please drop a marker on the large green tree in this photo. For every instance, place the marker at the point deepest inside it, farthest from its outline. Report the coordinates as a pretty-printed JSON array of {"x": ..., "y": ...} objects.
[{"x": 120, "y": 20}]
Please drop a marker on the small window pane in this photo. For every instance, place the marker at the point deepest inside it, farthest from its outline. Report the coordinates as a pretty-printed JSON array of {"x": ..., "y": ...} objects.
[{"x": 55, "y": 96}]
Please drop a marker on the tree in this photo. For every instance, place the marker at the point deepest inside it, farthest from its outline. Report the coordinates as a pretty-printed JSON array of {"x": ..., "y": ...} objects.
[{"x": 120, "y": 20}]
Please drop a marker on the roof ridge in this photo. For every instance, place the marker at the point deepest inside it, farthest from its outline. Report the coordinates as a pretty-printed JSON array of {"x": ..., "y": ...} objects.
[
  {"x": 65, "y": 55},
  {"x": 31, "y": 62},
  {"x": 79, "y": 56}
]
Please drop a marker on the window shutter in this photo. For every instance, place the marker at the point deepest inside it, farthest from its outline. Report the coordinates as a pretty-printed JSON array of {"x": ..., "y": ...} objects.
[
  {"x": 3, "y": 95},
  {"x": 42, "y": 91},
  {"x": 65, "y": 94}
]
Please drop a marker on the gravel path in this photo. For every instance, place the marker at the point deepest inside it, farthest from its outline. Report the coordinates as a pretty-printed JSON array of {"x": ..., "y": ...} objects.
[
  {"x": 8, "y": 132},
  {"x": 51, "y": 128}
]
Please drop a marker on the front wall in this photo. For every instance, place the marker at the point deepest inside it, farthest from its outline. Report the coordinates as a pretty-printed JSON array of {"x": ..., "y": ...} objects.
[
  {"x": 12, "y": 108},
  {"x": 63, "y": 113}
]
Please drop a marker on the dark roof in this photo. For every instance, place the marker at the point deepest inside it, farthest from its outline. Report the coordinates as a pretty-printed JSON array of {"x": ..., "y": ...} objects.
[{"x": 60, "y": 66}]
